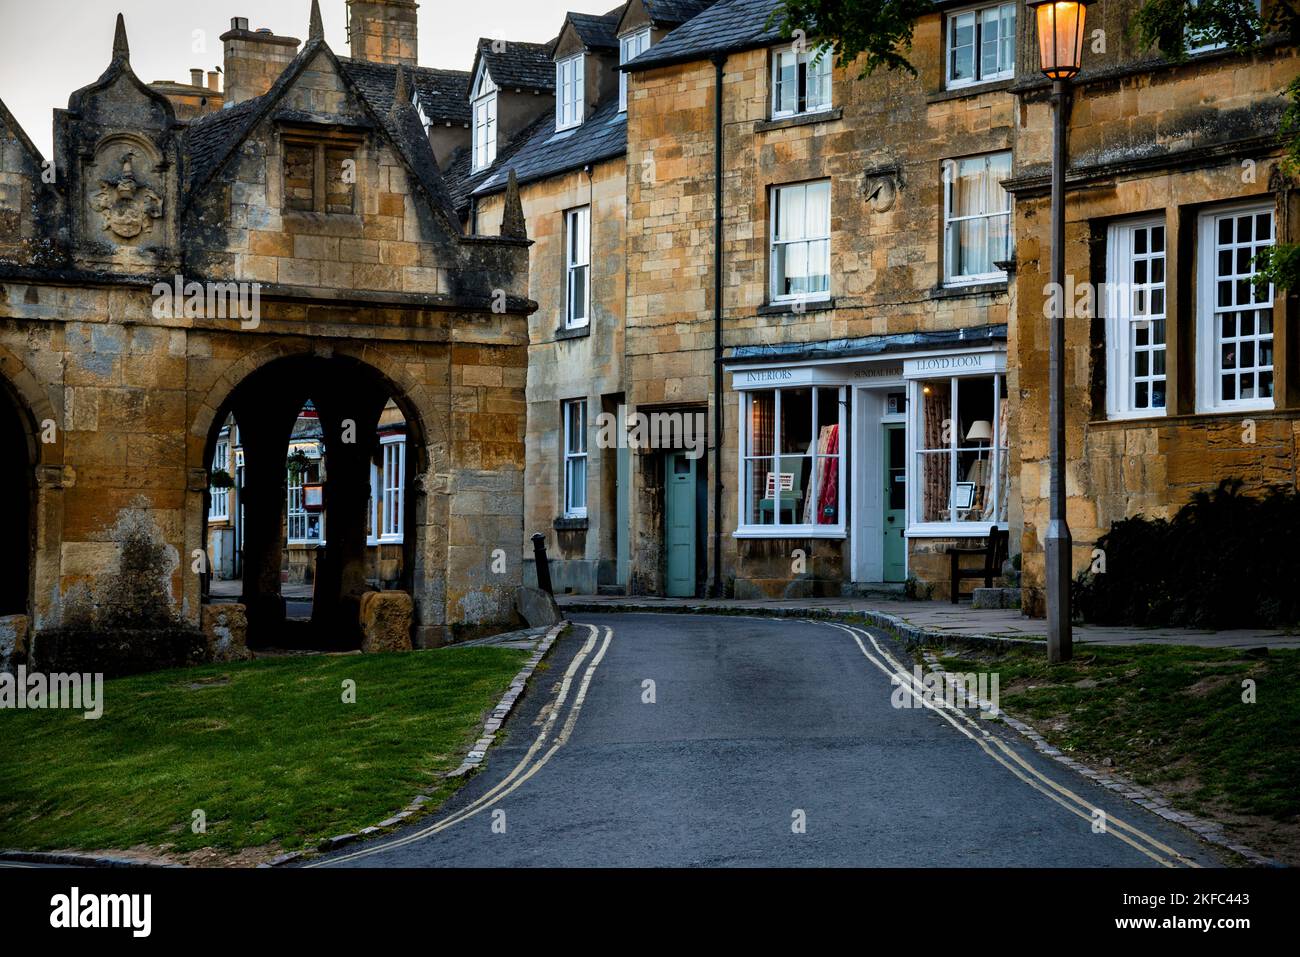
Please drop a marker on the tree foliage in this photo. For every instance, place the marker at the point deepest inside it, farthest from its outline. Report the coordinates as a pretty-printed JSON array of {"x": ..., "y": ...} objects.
[{"x": 879, "y": 31}]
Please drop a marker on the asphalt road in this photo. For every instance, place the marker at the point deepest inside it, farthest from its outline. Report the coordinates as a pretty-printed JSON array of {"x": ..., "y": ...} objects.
[{"x": 758, "y": 725}]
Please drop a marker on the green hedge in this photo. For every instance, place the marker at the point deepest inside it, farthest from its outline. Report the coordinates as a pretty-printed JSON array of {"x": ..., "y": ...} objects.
[{"x": 1226, "y": 560}]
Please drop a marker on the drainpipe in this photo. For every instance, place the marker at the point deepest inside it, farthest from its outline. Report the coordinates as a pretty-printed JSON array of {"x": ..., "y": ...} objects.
[{"x": 719, "y": 61}]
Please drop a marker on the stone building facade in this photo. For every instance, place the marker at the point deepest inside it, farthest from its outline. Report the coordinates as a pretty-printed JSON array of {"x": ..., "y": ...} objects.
[
  {"x": 298, "y": 245},
  {"x": 1181, "y": 373}
]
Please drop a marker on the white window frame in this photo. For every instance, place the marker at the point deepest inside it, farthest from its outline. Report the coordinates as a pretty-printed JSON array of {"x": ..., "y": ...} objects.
[
  {"x": 1208, "y": 310},
  {"x": 570, "y": 107},
  {"x": 777, "y": 245},
  {"x": 219, "y": 498},
  {"x": 483, "y": 136},
  {"x": 950, "y": 240},
  {"x": 392, "y": 479},
  {"x": 916, "y": 528},
  {"x": 630, "y": 47},
  {"x": 819, "y": 59},
  {"x": 572, "y": 454},
  {"x": 577, "y": 266},
  {"x": 1126, "y": 306},
  {"x": 778, "y": 529},
  {"x": 977, "y": 13},
  {"x": 295, "y": 508}
]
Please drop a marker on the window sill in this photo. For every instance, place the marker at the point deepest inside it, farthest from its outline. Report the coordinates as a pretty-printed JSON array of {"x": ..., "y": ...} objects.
[
  {"x": 575, "y": 523},
  {"x": 788, "y": 308},
  {"x": 577, "y": 332},
  {"x": 799, "y": 119},
  {"x": 971, "y": 89},
  {"x": 994, "y": 287},
  {"x": 952, "y": 529},
  {"x": 790, "y": 531}
]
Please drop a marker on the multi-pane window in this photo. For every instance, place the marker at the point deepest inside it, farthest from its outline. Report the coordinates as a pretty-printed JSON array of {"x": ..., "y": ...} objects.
[
  {"x": 393, "y": 455},
  {"x": 801, "y": 241},
  {"x": 981, "y": 45},
  {"x": 977, "y": 218},
  {"x": 568, "y": 92},
  {"x": 1134, "y": 305},
  {"x": 485, "y": 123},
  {"x": 577, "y": 267},
  {"x": 219, "y": 505},
  {"x": 960, "y": 438},
  {"x": 801, "y": 81},
  {"x": 1235, "y": 316},
  {"x": 630, "y": 47},
  {"x": 792, "y": 458},
  {"x": 304, "y": 527},
  {"x": 574, "y": 413}
]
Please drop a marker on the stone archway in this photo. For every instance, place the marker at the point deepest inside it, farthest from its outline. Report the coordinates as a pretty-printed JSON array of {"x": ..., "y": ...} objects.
[{"x": 346, "y": 389}]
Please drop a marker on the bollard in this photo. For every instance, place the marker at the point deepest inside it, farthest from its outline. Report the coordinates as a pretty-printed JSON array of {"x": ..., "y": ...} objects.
[{"x": 543, "y": 564}]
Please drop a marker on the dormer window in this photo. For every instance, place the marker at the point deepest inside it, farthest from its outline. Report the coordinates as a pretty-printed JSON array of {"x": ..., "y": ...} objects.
[
  {"x": 630, "y": 47},
  {"x": 484, "y": 102},
  {"x": 569, "y": 92}
]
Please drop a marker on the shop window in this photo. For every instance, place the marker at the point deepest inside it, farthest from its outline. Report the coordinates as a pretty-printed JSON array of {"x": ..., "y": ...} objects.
[
  {"x": 792, "y": 461},
  {"x": 960, "y": 442}
]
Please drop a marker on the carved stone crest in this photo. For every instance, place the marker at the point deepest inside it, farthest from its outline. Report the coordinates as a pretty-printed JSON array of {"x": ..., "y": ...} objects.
[{"x": 127, "y": 206}]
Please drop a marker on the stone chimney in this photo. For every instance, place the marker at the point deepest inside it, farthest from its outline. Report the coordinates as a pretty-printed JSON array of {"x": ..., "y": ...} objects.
[
  {"x": 383, "y": 31},
  {"x": 254, "y": 59}
]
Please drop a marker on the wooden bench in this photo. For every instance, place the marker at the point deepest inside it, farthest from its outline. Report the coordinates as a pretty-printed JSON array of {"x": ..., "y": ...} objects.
[{"x": 994, "y": 552}]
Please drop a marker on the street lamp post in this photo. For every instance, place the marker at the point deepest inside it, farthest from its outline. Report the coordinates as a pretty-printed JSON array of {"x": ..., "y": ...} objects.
[{"x": 1060, "y": 49}]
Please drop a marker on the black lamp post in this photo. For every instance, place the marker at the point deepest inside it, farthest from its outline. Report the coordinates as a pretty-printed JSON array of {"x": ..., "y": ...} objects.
[{"x": 1060, "y": 49}]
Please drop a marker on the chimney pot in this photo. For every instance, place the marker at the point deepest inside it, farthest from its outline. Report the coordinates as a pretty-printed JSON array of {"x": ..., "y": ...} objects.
[
  {"x": 212, "y": 81},
  {"x": 196, "y": 77},
  {"x": 239, "y": 23}
]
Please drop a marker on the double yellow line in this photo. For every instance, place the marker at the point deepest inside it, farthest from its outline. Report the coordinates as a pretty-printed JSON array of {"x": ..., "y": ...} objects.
[
  {"x": 1007, "y": 756},
  {"x": 529, "y": 765}
]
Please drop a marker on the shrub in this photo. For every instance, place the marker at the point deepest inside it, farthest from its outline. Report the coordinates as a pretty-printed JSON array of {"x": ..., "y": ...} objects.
[{"x": 1226, "y": 560}]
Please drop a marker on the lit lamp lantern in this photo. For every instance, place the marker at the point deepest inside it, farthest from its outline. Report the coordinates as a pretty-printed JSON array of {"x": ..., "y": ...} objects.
[{"x": 1060, "y": 37}]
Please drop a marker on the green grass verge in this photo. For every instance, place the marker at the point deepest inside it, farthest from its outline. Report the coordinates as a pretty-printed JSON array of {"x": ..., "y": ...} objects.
[
  {"x": 266, "y": 749},
  {"x": 1167, "y": 716}
]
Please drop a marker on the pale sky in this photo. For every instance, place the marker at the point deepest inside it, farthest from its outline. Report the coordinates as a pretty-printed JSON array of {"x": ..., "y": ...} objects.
[{"x": 48, "y": 48}]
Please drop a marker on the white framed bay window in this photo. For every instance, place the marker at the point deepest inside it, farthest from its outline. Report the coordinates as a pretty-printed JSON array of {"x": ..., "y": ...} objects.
[
  {"x": 573, "y": 412},
  {"x": 219, "y": 501},
  {"x": 569, "y": 104},
  {"x": 792, "y": 462},
  {"x": 800, "y": 241},
  {"x": 977, "y": 218},
  {"x": 958, "y": 482},
  {"x": 1134, "y": 310},
  {"x": 1234, "y": 317}
]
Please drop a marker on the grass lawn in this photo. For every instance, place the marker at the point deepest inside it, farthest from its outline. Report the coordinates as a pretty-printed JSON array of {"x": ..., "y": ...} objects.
[
  {"x": 1173, "y": 718},
  {"x": 266, "y": 749}
]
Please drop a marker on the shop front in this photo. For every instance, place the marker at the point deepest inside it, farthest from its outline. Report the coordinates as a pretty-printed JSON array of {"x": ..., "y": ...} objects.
[{"x": 865, "y": 463}]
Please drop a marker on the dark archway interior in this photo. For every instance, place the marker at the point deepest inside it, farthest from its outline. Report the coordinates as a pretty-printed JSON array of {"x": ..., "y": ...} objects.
[
  {"x": 348, "y": 400},
  {"x": 16, "y": 515}
]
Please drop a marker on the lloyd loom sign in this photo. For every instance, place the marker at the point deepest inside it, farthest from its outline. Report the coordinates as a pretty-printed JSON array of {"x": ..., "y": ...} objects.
[{"x": 964, "y": 363}]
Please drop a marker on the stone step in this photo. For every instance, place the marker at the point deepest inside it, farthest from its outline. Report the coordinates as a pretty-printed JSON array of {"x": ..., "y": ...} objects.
[
  {"x": 873, "y": 590},
  {"x": 995, "y": 598},
  {"x": 611, "y": 589}
]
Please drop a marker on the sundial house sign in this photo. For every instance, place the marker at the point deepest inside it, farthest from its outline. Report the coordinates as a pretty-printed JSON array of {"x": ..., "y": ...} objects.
[{"x": 127, "y": 206}]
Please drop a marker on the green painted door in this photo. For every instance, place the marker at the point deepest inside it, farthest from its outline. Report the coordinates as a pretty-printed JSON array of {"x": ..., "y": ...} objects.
[
  {"x": 679, "y": 494},
  {"x": 895, "y": 499}
]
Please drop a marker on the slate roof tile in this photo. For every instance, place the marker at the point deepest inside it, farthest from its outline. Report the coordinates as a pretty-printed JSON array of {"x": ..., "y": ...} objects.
[
  {"x": 546, "y": 152},
  {"x": 520, "y": 66},
  {"x": 444, "y": 94},
  {"x": 727, "y": 26}
]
